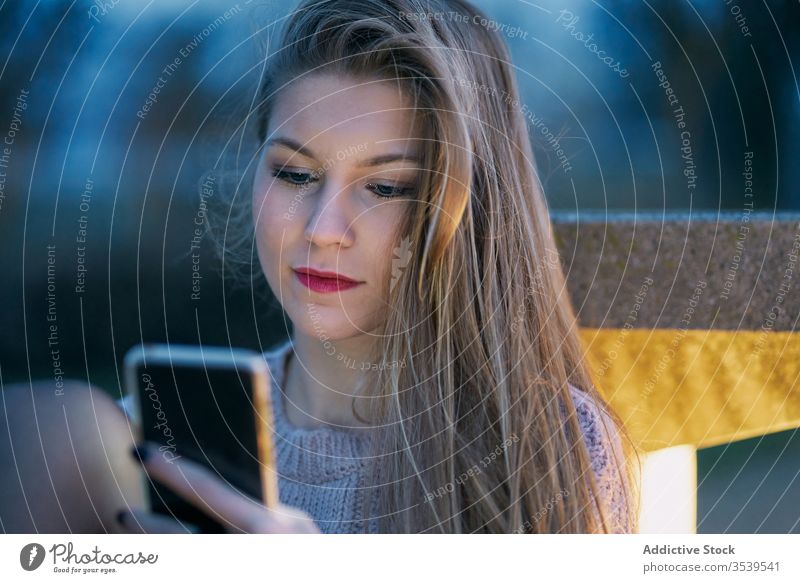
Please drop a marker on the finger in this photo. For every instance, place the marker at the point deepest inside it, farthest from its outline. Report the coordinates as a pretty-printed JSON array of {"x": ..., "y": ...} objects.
[
  {"x": 299, "y": 521},
  {"x": 139, "y": 521},
  {"x": 199, "y": 486}
]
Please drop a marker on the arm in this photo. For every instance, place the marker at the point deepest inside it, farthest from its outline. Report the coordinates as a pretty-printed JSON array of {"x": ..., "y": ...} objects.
[
  {"x": 604, "y": 444},
  {"x": 63, "y": 458}
]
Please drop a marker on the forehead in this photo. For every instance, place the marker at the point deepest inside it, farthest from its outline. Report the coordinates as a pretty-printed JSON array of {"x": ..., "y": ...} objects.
[{"x": 327, "y": 112}]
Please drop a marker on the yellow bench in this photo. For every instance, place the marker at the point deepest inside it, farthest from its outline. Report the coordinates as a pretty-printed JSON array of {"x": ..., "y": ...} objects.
[{"x": 689, "y": 326}]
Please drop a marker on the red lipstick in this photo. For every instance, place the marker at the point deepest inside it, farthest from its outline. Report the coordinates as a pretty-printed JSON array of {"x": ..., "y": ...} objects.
[{"x": 324, "y": 281}]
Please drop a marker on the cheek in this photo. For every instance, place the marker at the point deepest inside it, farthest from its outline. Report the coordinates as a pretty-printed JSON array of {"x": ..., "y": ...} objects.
[
  {"x": 273, "y": 208},
  {"x": 265, "y": 213},
  {"x": 385, "y": 247},
  {"x": 268, "y": 215}
]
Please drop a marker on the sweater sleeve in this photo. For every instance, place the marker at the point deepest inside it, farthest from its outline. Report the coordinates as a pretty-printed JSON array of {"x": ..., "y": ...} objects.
[{"x": 605, "y": 450}]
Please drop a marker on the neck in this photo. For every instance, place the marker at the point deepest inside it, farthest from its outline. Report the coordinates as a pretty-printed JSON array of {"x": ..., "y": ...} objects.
[{"x": 322, "y": 380}]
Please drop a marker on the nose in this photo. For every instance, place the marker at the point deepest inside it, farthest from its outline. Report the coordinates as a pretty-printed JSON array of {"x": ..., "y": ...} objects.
[{"x": 330, "y": 222}]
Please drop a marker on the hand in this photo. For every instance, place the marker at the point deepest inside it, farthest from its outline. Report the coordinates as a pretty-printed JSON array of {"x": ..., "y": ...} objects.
[{"x": 199, "y": 486}]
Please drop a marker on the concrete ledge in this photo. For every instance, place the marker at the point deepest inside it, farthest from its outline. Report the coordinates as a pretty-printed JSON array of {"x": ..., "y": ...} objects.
[
  {"x": 689, "y": 320},
  {"x": 741, "y": 270}
]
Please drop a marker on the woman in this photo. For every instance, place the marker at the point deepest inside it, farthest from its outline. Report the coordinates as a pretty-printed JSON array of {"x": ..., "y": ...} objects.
[{"x": 434, "y": 380}]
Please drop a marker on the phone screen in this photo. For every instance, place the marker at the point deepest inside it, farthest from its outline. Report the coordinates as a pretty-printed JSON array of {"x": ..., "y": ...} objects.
[{"x": 206, "y": 414}]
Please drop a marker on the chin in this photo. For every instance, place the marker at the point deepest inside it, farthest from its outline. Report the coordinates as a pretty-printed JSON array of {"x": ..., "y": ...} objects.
[{"x": 324, "y": 322}]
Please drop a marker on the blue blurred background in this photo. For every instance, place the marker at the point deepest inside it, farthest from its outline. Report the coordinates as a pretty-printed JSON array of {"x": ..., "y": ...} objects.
[{"x": 102, "y": 187}]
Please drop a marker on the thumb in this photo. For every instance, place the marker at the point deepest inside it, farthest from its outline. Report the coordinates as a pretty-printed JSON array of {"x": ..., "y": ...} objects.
[{"x": 288, "y": 520}]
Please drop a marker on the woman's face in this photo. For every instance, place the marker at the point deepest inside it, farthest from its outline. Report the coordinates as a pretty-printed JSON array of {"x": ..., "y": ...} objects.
[{"x": 339, "y": 169}]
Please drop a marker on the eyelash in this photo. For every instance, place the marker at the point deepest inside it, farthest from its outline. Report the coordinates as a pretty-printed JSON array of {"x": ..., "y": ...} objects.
[{"x": 286, "y": 176}]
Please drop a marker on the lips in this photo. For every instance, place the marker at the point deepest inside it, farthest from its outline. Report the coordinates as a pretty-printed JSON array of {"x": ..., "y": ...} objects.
[{"x": 324, "y": 281}]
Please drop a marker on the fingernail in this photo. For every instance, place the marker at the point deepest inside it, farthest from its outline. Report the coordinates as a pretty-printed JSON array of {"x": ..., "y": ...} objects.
[
  {"x": 140, "y": 453},
  {"x": 121, "y": 517}
]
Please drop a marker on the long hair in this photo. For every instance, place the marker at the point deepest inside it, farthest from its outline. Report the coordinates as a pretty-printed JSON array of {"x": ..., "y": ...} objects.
[{"x": 478, "y": 428}]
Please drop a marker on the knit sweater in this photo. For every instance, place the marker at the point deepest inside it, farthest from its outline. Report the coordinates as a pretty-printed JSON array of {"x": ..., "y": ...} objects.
[{"x": 323, "y": 470}]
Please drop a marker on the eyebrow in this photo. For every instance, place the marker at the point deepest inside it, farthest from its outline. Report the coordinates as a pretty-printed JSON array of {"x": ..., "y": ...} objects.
[
  {"x": 291, "y": 144},
  {"x": 376, "y": 161},
  {"x": 386, "y": 159}
]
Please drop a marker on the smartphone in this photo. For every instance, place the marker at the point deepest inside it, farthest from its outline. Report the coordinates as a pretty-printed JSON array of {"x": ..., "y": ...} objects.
[{"x": 210, "y": 405}]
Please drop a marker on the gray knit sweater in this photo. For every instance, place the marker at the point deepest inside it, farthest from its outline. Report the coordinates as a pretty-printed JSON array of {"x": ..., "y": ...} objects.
[{"x": 323, "y": 470}]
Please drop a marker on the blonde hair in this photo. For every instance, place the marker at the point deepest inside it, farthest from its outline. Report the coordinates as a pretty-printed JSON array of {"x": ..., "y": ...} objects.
[{"x": 480, "y": 314}]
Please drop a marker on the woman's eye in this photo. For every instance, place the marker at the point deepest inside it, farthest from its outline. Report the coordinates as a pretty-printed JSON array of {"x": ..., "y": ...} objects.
[
  {"x": 293, "y": 178},
  {"x": 389, "y": 190}
]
